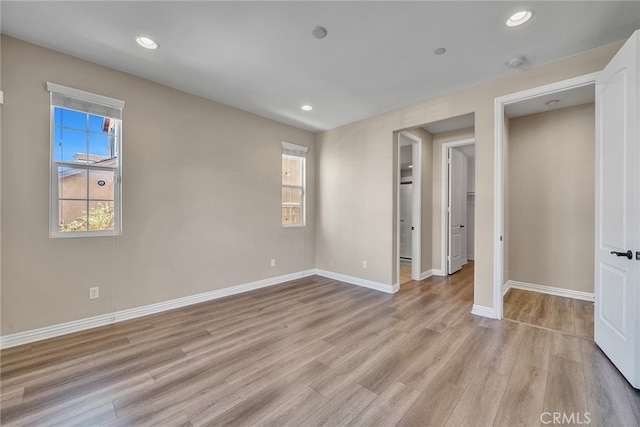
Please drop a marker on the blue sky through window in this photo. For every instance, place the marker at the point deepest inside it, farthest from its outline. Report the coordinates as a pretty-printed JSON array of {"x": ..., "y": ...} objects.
[{"x": 79, "y": 133}]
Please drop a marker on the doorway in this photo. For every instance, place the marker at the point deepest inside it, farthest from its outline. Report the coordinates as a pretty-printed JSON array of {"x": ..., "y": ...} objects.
[
  {"x": 408, "y": 205},
  {"x": 572, "y": 92},
  {"x": 458, "y": 209},
  {"x": 550, "y": 219}
]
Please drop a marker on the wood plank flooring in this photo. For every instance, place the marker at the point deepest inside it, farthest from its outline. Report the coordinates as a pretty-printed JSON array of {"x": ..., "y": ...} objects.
[
  {"x": 315, "y": 351},
  {"x": 405, "y": 274},
  {"x": 568, "y": 315}
]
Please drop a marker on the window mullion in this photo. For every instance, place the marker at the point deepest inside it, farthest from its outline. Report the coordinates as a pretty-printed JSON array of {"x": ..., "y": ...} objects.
[{"x": 91, "y": 166}]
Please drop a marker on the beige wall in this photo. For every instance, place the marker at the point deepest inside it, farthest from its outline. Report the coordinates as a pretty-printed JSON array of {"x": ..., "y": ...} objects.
[
  {"x": 356, "y": 174},
  {"x": 552, "y": 198},
  {"x": 201, "y": 204},
  {"x": 201, "y": 197}
]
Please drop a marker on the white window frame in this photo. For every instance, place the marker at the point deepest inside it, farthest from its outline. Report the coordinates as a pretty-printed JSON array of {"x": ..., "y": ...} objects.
[
  {"x": 290, "y": 149},
  {"x": 84, "y": 102}
]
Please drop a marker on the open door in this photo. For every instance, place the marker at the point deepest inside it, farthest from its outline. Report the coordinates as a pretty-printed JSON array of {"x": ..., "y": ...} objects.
[
  {"x": 617, "y": 240},
  {"x": 406, "y": 221},
  {"x": 456, "y": 212}
]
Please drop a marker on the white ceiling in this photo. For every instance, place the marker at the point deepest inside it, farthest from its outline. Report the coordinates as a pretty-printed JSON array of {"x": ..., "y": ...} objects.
[
  {"x": 261, "y": 57},
  {"x": 453, "y": 123},
  {"x": 567, "y": 98}
]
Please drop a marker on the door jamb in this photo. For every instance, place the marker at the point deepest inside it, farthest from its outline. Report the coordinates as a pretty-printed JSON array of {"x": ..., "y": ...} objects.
[
  {"x": 498, "y": 171},
  {"x": 416, "y": 206},
  {"x": 444, "y": 230}
]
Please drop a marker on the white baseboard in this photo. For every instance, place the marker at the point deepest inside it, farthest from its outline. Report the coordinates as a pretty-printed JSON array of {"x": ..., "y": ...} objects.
[
  {"x": 568, "y": 293},
  {"x": 483, "y": 311},
  {"x": 118, "y": 316},
  {"x": 438, "y": 272},
  {"x": 505, "y": 287},
  {"x": 390, "y": 289},
  {"x": 426, "y": 274}
]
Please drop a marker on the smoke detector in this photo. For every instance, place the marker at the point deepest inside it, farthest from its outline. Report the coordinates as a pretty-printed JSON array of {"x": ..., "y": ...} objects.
[
  {"x": 516, "y": 61},
  {"x": 319, "y": 32}
]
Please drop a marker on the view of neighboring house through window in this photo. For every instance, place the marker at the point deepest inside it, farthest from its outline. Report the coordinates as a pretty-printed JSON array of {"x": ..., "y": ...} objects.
[
  {"x": 293, "y": 184},
  {"x": 85, "y": 163}
]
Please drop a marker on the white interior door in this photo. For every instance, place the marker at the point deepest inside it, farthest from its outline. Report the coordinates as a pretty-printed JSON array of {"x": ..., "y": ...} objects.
[
  {"x": 617, "y": 278},
  {"x": 455, "y": 210},
  {"x": 406, "y": 206}
]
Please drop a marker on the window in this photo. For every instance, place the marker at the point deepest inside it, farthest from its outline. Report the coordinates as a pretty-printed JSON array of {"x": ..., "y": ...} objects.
[
  {"x": 293, "y": 184},
  {"x": 85, "y": 163}
]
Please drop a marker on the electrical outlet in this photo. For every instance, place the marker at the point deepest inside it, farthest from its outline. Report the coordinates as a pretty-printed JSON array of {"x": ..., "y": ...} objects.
[
  {"x": 364, "y": 264},
  {"x": 273, "y": 263},
  {"x": 94, "y": 293}
]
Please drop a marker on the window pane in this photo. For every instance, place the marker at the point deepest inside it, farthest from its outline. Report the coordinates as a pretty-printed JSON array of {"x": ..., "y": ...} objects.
[
  {"x": 101, "y": 185},
  {"x": 99, "y": 147},
  {"x": 295, "y": 215},
  {"x": 296, "y": 196},
  {"x": 72, "y": 215},
  {"x": 285, "y": 170},
  {"x": 72, "y": 183},
  {"x": 295, "y": 169},
  {"x": 292, "y": 170},
  {"x": 70, "y": 119},
  {"x": 87, "y": 197},
  {"x": 286, "y": 195},
  {"x": 292, "y": 189},
  {"x": 101, "y": 216},
  {"x": 286, "y": 215},
  {"x": 98, "y": 123},
  {"x": 69, "y": 145}
]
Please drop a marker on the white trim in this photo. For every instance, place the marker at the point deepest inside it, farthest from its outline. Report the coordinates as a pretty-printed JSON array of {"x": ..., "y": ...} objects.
[
  {"x": 438, "y": 272},
  {"x": 480, "y": 310},
  {"x": 444, "y": 197},
  {"x": 498, "y": 167},
  {"x": 416, "y": 204},
  {"x": 85, "y": 96},
  {"x": 390, "y": 289},
  {"x": 294, "y": 149},
  {"x": 426, "y": 274},
  {"x": 506, "y": 287},
  {"x": 550, "y": 290},
  {"x": 106, "y": 319}
]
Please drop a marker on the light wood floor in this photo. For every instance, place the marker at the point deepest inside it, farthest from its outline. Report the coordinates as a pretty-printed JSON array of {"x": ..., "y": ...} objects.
[
  {"x": 562, "y": 314},
  {"x": 316, "y": 352},
  {"x": 405, "y": 274}
]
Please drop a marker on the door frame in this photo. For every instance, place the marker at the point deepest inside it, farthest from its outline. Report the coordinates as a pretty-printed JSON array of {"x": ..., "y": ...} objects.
[
  {"x": 444, "y": 229},
  {"x": 416, "y": 205},
  {"x": 498, "y": 171}
]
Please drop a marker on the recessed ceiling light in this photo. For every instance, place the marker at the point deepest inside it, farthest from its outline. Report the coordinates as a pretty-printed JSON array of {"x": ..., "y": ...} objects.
[
  {"x": 307, "y": 107},
  {"x": 519, "y": 18},
  {"x": 146, "y": 42},
  {"x": 440, "y": 51},
  {"x": 319, "y": 32}
]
